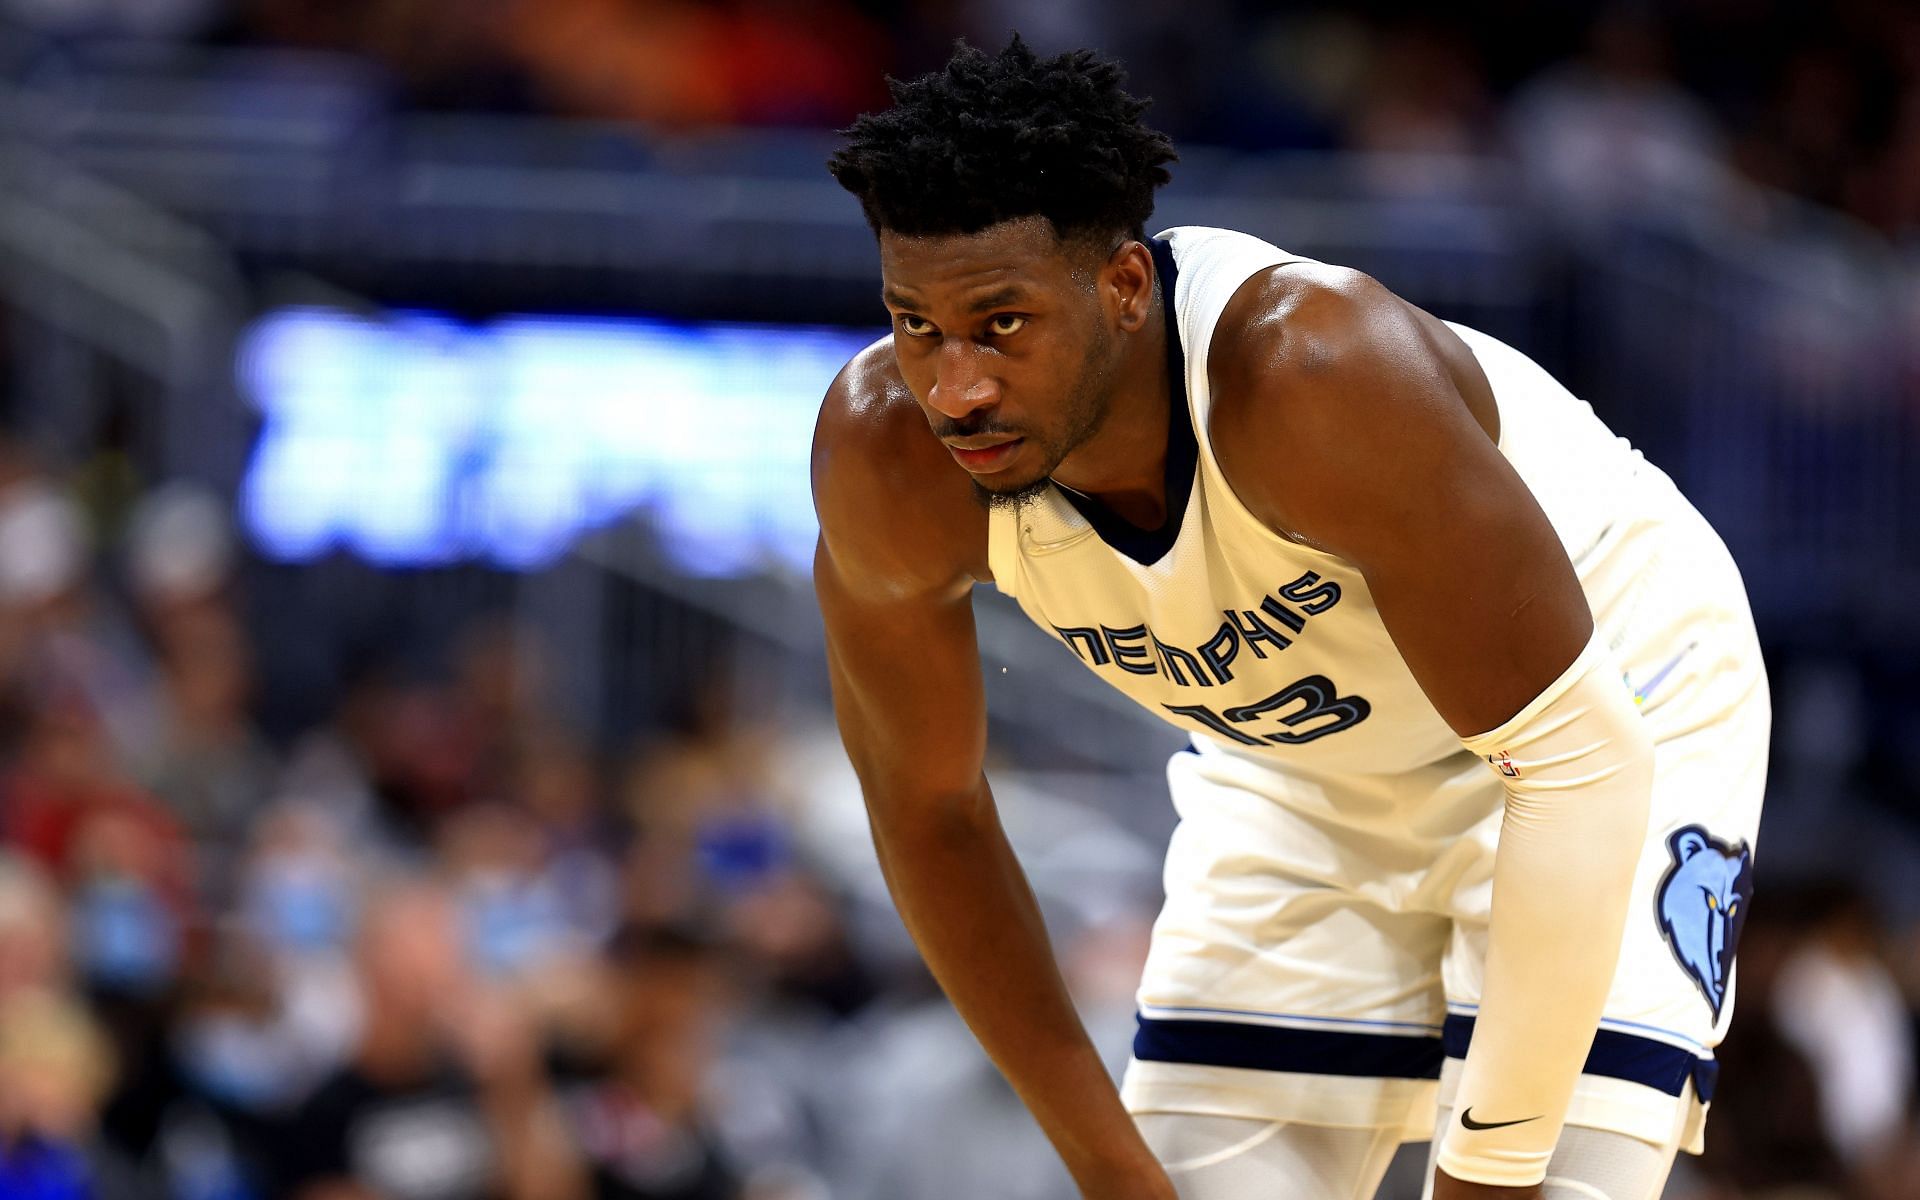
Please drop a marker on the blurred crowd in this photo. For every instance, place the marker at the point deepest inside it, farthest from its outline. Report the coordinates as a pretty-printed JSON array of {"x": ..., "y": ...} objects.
[
  {"x": 439, "y": 946},
  {"x": 1819, "y": 100}
]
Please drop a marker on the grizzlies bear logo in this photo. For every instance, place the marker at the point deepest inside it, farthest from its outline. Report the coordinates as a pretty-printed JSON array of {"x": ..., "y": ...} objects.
[{"x": 1702, "y": 903}]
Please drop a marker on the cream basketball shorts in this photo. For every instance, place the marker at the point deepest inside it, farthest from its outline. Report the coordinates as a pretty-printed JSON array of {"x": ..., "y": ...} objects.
[{"x": 1319, "y": 955}]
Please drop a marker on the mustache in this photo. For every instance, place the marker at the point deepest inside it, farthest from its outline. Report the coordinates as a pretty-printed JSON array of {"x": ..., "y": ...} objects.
[{"x": 946, "y": 427}]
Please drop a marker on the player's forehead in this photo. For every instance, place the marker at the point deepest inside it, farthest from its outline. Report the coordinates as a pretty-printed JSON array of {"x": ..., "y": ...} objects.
[{"x": 1018, "y": 259}]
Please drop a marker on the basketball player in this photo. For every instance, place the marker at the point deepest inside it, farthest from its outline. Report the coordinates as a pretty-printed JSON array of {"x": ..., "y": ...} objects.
[{"x": 1477, "y": 712}]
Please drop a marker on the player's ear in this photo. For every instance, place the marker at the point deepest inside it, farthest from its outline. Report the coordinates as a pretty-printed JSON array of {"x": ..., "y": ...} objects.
[{"x": 1126, "y": 283}]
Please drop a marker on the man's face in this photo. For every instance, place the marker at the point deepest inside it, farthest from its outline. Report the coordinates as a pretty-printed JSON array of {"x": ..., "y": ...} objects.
[{"x": 1006, "y": 344}]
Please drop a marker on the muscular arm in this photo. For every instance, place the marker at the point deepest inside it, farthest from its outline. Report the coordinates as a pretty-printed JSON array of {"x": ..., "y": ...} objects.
[
  {"x": 1361, "y": 425},
  {"x": 902, "y": 543},
  {"x": 1342, "y": 423}
]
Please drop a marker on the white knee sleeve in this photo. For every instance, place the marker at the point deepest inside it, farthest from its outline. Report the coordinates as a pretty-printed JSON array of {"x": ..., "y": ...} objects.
[
  {"x": 1598, "y": 1164},
  {"x": 1239, "y": 1158}
]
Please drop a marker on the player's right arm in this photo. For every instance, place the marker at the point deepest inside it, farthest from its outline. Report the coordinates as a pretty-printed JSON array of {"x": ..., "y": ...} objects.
[{"x": 902, "y": 543}]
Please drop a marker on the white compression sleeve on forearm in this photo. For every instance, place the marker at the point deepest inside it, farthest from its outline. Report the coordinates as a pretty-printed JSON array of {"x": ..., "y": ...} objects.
[{"x": 1577, "y": 764}]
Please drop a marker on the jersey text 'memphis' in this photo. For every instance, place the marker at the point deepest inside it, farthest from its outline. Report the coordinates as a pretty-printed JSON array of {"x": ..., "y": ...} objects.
[{"x": 1273, "y": 624}]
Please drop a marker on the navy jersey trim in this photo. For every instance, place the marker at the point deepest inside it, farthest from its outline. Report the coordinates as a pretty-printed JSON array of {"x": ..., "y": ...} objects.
[
  {"x": 1615, "y": 1055},
  {"x": 1278, "y": 1048},
  {"x": 1149, "y": 546}
]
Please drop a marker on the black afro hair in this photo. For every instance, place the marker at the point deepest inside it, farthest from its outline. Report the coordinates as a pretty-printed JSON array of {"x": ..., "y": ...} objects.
[{"x": 995, "y": 137}]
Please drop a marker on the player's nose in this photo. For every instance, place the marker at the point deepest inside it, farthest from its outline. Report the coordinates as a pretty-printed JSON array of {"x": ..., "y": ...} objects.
[{"x": 961, "y": 385}]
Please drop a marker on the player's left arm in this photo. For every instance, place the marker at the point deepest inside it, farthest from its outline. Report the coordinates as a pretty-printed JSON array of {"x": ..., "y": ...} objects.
[{"x": 1340, "y": 420}]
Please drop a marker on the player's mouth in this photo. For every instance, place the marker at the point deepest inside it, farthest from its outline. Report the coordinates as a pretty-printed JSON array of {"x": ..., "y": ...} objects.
[{"x": 984, "y": 458}]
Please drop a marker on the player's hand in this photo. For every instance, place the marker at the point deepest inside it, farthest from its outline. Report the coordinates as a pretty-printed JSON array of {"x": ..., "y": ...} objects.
[{"x": 1446, "y": 1187}]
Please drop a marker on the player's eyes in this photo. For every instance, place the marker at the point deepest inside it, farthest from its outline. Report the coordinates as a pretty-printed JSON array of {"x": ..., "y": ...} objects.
[
  {"x": 914, "y": 326},
  {"x": 1006, "y": 324}
]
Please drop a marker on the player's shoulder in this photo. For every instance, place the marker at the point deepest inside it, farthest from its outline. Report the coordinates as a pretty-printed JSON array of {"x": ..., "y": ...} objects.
[
  {"x": 1290, "y": 324},
  {"x": 872, "y": 439},
  {"x": 1312, "y": 369},
  {"x": 896, "y": 511}
]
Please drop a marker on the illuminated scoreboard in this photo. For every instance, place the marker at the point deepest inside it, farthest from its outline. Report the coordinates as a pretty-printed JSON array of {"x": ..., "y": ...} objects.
[{"x": 412, "y": 439}]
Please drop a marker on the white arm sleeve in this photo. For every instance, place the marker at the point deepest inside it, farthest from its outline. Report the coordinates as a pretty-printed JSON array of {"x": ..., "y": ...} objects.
[{"x": 1577, "y": 763}]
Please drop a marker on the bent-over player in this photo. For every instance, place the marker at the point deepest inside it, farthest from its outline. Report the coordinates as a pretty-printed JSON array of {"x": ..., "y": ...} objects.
[{"x": 1478, "y": 717}]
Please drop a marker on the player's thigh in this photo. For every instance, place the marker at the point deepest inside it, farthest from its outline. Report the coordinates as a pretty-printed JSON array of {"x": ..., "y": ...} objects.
[{"x": 1238, "y": 1158}]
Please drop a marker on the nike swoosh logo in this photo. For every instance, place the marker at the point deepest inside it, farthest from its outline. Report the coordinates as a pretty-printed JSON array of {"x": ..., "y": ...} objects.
[
  {"x": 1641, "y": 693},
  {"x": 1466, "y": 1118}
]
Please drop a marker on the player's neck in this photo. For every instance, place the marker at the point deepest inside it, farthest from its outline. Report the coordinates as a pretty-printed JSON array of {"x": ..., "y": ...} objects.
[{"x": 1123, "y": 465}]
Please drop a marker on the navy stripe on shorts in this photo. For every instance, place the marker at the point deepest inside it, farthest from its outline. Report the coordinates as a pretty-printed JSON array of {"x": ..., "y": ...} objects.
[{"x": 1615, "y": 1055}]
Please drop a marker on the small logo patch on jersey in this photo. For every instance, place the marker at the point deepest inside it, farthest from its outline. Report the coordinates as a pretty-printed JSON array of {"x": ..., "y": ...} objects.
[
  {"x": 1701, "y": 906},
  {"x": 1505, "y": 764}
]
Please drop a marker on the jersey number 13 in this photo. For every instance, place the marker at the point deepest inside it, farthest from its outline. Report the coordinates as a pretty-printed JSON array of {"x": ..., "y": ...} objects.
[{"x": 1305, "y": 709}]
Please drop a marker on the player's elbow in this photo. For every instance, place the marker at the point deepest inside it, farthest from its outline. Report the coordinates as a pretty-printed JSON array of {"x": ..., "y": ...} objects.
[
  {"x": 1601, "y": 810},
  {"x": 908, "y": 815},
  {"x": 1578, "y": 763}
]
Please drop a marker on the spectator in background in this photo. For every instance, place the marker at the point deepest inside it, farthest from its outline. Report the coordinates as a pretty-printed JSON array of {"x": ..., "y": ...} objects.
[
  {"x": 54, "y": 1070},
  {"x": 1424, "y": 93},
  {"x": 556, "y": 781},
  {"x": 33, "y": 945},
  {"x": 1839, "y": 1005},
  {"x": 641, "y": 1108},
  {"x": 395, "y": 759},
  {"x": 207, "y": 761},
  {"x": 1762, "y": 1136},
  {"x": 300, "y": 891},
  {"x": 445, "y": 1097},
  {"x": 702, "y": 799},
  {"x": 513, "y": 909},
  {"x": 117, "y": 852},
  {"x": 61, "y": 636},
  {"x": 209, "y": 1104},
  {"x": 1613, "y": 132}
]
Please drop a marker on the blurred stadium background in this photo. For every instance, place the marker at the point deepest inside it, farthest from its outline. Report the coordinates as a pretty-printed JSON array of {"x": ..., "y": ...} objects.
[{"x": 416, "y": 780}]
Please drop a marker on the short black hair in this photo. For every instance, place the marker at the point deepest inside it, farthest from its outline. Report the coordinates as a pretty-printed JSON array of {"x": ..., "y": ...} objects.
[{"x": 992, "y": 138}]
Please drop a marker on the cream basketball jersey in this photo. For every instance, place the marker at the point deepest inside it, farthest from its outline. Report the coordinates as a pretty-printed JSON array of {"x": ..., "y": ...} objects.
[{"x": 1257, "y": 645}]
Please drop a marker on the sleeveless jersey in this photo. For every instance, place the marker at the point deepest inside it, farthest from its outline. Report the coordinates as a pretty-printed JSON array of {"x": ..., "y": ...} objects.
[{"x": 1256, "y": 645}]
